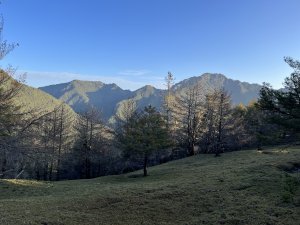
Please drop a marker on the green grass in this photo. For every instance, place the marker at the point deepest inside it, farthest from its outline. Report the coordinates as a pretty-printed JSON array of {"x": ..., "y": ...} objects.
[{"x": 246, "y": 187}]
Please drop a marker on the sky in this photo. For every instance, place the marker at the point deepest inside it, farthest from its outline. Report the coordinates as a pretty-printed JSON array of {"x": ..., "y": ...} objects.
[{"x": 136, "y": 42}]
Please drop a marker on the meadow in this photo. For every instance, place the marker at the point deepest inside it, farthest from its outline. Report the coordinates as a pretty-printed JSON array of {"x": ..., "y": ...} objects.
[{"x": 244, "y": 187}]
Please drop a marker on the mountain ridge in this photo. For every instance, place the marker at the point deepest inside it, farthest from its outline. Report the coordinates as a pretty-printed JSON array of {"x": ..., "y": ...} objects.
[{"x": 109, "y": 98}]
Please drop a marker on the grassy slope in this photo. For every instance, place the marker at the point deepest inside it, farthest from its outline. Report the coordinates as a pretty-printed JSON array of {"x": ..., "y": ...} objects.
[{"x": 244, "y": 187}]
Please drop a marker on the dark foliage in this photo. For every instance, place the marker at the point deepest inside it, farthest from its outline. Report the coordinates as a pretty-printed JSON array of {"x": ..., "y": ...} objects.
[{"x": 284, "y": 105}]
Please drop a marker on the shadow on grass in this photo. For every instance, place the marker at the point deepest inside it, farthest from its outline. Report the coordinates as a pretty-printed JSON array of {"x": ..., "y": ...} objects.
[{"x": 137, "y": 176}]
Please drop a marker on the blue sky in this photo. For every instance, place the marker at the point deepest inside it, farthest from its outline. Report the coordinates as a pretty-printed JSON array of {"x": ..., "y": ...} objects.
[{"x": 136, "y": 42}]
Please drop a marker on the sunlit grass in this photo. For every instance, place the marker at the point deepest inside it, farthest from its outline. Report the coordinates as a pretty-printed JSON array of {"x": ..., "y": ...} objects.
[
  {"x": 246, "y": 187},
  {"x": 29, "y": 183}
]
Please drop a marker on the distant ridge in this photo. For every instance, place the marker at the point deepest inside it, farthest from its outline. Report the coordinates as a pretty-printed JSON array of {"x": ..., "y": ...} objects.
[
  {"x": 241, "y": 92},
  {"x": 109, "y": 98},
  {"x": 82, "y": 94}
]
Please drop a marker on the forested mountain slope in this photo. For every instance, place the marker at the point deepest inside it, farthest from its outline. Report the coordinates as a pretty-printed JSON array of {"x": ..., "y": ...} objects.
[
  {"x": 37, "y": 100},
  {"x": 109, "y": 98},
  {"x": 82, "y": 94}
]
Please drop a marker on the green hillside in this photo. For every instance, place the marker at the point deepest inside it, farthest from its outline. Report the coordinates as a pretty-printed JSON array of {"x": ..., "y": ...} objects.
[{"x": 245, "y": 187}]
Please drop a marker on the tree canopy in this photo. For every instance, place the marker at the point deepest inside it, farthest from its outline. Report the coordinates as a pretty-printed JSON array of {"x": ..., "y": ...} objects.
[
  {"x": 144, "y": 133},
  {"x": 284, "y": 104}
]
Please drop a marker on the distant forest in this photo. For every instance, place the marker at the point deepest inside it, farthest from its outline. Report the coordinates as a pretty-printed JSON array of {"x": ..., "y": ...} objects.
[{"x": 57, "y": 144}]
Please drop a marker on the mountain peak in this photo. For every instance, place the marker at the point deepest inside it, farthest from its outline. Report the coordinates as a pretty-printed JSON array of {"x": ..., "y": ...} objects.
[
  {"x": 87, "y": 83},
  {"x": 147, "y": 90},
  {"x": 213, "y": 76},
  {"x": 81, "y": 94},
  {"x": 148, "y": 87},
  {"x": 241, "y": 92}
]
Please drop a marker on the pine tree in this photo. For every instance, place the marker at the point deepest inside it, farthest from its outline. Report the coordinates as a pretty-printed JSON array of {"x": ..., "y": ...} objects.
[
  {"x": 284, "y": 105},
  {"x": 144, "y": 133}
]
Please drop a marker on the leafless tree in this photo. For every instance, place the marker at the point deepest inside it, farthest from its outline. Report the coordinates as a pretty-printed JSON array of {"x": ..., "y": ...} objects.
[
  {"x": 188, "y": 117},
  {"x": 91, "y": 142},
  {"x": 217, "y": 117}
]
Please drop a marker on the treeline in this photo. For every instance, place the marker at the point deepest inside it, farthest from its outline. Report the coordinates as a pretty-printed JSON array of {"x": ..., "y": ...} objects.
[{"x": 56, "y": 145}]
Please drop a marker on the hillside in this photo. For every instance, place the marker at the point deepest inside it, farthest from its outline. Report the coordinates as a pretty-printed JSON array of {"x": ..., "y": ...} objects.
[
  {"x": 245, "y": 187},
  {"x": 82, "y": 94},
  {"x": 32, "y": 98},
  {"x": 147, "y": 95},
  {"x": 109, "y": 98}
]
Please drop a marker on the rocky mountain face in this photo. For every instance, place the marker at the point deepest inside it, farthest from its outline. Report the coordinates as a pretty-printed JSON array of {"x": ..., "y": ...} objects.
[{"x": 109, "y": 98}]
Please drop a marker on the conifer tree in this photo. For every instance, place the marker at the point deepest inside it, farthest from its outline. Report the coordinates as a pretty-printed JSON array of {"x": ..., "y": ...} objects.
[
  {"x": 284, "y": 104},
  {"x": 144, "y": 133}
]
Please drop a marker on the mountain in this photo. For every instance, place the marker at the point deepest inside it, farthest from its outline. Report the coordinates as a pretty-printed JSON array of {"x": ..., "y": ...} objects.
[
  {"x": 241, "y": 92},
  {"x": 110, "y": 98},
  {"x": 147, "y": 95},
  {"x": 33, "y": 102},
  {"x": 82, "y": 94},
  {"x": 32, "y": 98}
]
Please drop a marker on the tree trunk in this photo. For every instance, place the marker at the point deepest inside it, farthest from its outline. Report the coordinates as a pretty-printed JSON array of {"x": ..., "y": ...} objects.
[
  {"x": 192, "y": 150},
  {"x": 51, "y": 170},
  {"x": 61, "y": 128},
  {"x": 145, "y": 165},
  {"x": 87, "y": 168},
  {"x": 45, "y": 173},
  {"x": 4, "y": 162}
]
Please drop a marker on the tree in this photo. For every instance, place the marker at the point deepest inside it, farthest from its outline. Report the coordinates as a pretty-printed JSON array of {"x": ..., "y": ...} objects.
[
  {"x": 256, "y": 129},
  {"x": 9, "y": 111},
  {"x": 123, "y": 117},
  {"x": 242, "y": 133},
  {"x": 90, "y": 142},
  {"x": 63, "y": 136},
  {"x": 189, "y": 113},
  {"x": 144, "y": 133},
  {"x": 217, "y": 121},
  {"x": 223, "y": 116},
  {"x": 9, "y": 88},
  {"x": 169, "y": 99},
  {"x": 284, "y": 105}
]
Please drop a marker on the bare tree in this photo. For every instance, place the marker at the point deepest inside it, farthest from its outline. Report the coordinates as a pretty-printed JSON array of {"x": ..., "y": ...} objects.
[
  {"x": 169, "y": 100},
  {"x": 217, "y": 115},
  {"x": 91, "y": 141},
  {"x": 9, "y": 112},
  {"x": 188, "y": 116},
  {"x": 125, "y": 114}
]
